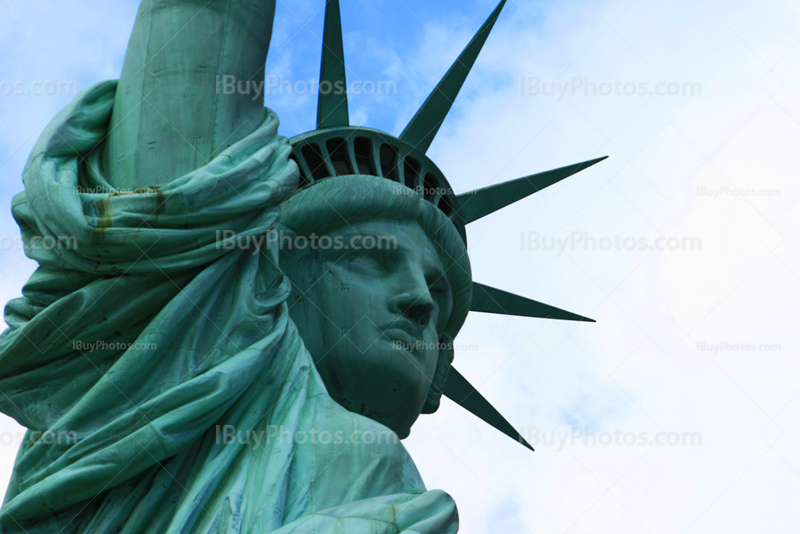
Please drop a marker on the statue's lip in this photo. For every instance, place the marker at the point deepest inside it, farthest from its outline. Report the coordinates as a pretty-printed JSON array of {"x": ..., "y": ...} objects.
[
  {"x": 398, "y": 334},
  {"x": 407, "y": 335},
  {"x": 405, "y": 325}
]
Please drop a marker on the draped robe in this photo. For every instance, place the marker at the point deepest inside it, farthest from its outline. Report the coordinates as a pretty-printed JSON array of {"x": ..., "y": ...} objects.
[{"x": 143, "y": 340}]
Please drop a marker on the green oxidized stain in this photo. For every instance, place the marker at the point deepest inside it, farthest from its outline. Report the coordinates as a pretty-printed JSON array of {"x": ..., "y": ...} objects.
[
  {"x": 161, "y": 202},
  {"x": 103, "y": 213}
]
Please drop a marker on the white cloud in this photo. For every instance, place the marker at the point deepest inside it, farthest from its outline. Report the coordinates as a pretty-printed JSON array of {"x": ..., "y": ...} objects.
[{"x": 639, "y": 368}]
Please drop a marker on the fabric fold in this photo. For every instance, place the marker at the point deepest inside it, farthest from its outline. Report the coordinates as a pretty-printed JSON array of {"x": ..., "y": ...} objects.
[{"x": 150, "y": 335}]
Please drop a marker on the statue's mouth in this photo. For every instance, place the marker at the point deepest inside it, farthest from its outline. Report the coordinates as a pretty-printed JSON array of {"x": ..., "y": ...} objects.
[{"x": 404, "y": 335}]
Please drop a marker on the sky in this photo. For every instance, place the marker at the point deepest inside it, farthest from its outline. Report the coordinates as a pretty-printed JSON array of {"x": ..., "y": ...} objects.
[{"x": 679, "y": 410}]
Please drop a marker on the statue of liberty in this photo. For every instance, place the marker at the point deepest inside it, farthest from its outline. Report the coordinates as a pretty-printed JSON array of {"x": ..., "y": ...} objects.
[{"x": 247, "y": 325}]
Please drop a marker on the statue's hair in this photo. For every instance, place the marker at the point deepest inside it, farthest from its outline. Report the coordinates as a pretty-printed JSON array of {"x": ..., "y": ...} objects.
[{"x": 339, "y": 201}]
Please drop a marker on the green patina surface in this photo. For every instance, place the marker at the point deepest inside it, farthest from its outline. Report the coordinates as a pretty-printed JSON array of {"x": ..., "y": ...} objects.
[
  {"x": 177, "y": 388},
  {"x": 184, "y": 365}
]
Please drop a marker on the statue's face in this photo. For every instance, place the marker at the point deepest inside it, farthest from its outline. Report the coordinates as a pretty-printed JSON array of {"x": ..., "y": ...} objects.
[{"x": 371, "y": 317}]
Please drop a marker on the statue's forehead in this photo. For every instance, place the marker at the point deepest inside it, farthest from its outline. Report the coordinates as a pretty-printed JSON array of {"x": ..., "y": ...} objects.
[{"x": 393, "y": 236}]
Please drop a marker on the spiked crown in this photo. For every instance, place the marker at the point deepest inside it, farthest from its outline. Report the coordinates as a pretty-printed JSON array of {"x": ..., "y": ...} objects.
[{"x": 338, "y": 149}]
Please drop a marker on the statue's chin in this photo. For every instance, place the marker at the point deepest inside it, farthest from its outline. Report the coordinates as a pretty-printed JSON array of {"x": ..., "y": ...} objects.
[
  {"x": 380, "y": 384},
  {"x": 398, "y": 418}
]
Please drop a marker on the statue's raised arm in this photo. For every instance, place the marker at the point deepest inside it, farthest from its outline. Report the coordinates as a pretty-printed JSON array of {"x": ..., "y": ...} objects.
[{"x": 169, "y": 116}]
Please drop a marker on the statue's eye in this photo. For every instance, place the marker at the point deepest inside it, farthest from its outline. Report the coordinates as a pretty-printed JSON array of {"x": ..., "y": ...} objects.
[
  {"x": 365, "y": 262},
  {"x": 437, "y": 283}
]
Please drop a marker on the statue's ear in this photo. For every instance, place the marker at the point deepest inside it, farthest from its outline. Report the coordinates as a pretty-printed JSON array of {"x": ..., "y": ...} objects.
[{"x": 446, "y": 355}]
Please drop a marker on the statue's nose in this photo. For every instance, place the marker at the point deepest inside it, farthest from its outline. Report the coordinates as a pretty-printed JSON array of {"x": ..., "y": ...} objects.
[
  {"x": 414, "y": 300},
  {"x": 419, "y": 313}
]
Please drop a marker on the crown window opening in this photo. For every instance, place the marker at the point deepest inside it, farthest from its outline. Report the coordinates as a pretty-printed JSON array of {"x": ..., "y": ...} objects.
[
  {"x": 431, "y": 189},
  {"x": 315, "y": 162},
  {"x": 337, "y": 148},
  {"x": 363, "y": 151},
  {"x": 389, "y": 159},
  {"x": 446, "y": 206},
  {"x": 411, "y": 169}
]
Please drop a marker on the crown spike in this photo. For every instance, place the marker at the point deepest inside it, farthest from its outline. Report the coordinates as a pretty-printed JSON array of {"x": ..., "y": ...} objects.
[
  {"x": 490, "y": 300},
  {"x": 332, "y": 108},
  {"x": 422, "y": 129},
  {"x": 460, "y": 391},
  {"x": 482, "y": 202}
]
